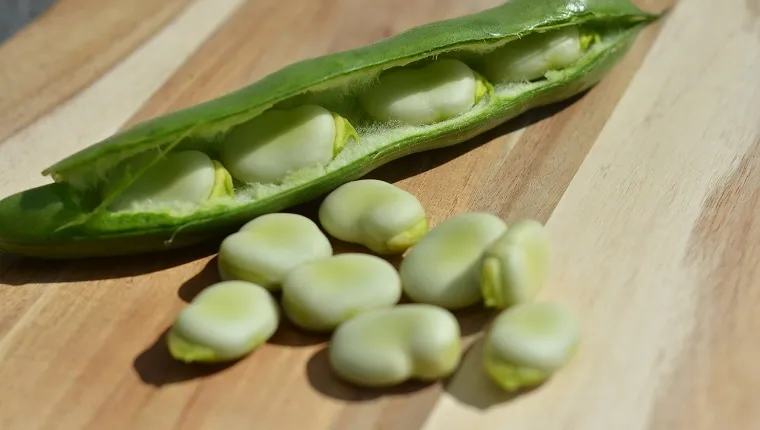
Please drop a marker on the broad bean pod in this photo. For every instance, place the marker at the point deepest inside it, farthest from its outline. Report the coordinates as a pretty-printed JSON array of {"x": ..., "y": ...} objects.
[{"x": 478, "y": 71}]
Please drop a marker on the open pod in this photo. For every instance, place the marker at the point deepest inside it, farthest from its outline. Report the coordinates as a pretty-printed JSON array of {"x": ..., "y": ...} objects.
[{"x": 304, "y": 130}]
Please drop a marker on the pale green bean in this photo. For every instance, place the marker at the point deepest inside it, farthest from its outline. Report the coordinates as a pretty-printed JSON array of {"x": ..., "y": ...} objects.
[
  {"x": 225, "y": 322},
  {"x": 386, "y": 347},
  {"x": 516, "y": 266},
  {"x": 322, "y": 294},
  {"x": 443, "y": 268},
  {"x": 528, "y": 343},
  {"x": 381, "y": 216},
  {"x": 265, "y": 249}
]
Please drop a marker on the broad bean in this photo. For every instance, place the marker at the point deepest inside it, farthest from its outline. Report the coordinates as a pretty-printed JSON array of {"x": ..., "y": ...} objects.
[
  {"x": 183, "y": 177},
  {"x": 280, "y": 142},
  {"x": 312, "y": 126},
  {"x": 373, "y": 213},
  {"x": 443, "y": 268},
  {"x": 531, "y": 57},
  {"x": 516, "y": 265},
  {"x": 265, "y": 249},
  {"x": 527, "y": 343},
  {"x": 322, "y": 294},
  {"x": 225, "y": 322},
  {"x": 386, "y": 347},
  {"x": 429, "y": 94}
]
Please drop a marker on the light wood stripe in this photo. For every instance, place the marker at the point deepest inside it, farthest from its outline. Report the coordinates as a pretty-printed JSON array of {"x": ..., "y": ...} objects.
[
  {"x": 45, "y": 64},
  {"x": 623, "y": 233}
]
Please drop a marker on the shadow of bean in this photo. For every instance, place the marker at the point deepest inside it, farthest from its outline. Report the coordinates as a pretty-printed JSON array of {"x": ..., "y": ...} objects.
[
  {"x": 155, "y": 366},
  {"x": 471, "y": 385},
  {"x": 288, "y": 334},
  {"x": 204, "y": 278},
  {"x": 473, "y": 319},
  {"x": 322, "y": 378}
]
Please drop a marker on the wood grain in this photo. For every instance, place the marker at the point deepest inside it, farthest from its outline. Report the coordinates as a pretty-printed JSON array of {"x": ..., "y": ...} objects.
[
  {"x": 649, "y": 184},
  {"x": 624, "y": 232},
  {"x": 67, "y": 49}
]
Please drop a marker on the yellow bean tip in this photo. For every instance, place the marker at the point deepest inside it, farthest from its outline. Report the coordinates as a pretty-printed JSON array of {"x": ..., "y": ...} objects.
[
  {"x": 491, "y": 284},
  {"x": 344, "y": 132},
  {"x": 482, "y": 87},
  {"x": 223, "y": 186},
  {"x": 403, "y": 241},
  {"x": 588, "y": 38},
  {"x": 184, "y": 350},
  {"x": 512, "y": 377}
]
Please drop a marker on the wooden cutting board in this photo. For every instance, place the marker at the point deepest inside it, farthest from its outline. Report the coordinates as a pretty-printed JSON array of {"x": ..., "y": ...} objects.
[{"x": 649, "y": 185}]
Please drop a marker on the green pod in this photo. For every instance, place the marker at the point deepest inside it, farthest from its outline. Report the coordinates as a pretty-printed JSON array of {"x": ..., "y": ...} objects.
[{"x": 74, "y": 216}]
